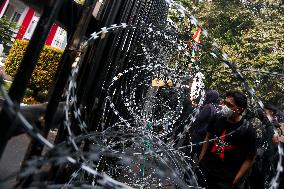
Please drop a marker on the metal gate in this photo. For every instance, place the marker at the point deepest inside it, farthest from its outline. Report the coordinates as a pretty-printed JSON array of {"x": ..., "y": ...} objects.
[{"x": 100, "y": 60}]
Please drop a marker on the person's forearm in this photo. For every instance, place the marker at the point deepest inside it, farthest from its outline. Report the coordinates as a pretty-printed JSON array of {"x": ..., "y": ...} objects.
[
  {"x": 204, "y": 147},
  {"x": 244, "y": 168}
]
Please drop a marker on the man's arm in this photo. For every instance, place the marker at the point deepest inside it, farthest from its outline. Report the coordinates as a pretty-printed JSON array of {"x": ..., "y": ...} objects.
[
  {"x": 204, "y": 147},
  {"x": 244, "y": 168},
  {"x": 250, "y": 154}
]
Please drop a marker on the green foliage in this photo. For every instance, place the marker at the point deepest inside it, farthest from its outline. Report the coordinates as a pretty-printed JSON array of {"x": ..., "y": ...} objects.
[
  {"x": 6, "y": 86},
  {"x": 6, "y": 31},
  {"x": 45, "y": 69},
  {"x": 28, "y": 93},
  {"x": 251, "y": 34},
  {"x": 80, "y": 1}
]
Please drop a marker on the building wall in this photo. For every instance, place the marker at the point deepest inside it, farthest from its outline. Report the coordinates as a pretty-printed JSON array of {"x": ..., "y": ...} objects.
[
  {"x": 60, "y": 38},
  {"x": 3, "y": 6},
  {"x": 27, "y": 19}
]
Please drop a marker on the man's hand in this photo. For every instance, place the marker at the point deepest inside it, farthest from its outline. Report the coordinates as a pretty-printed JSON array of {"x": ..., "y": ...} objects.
[
  {"x": 247, "y": 164},
  {"x": 204, "y": 147}
]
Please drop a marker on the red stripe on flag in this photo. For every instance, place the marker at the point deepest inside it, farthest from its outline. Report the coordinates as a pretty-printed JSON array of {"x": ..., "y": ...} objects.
[{"x": 196, "y": 36}]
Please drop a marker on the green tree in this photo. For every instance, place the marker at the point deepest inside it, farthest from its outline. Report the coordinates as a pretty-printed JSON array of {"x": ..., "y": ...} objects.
[
  {"x": 251, "y": 34},
  {"x": 7, "y": 29},
  {"x": 45, "y": 69},
  {"x": 80, "y": 1}
]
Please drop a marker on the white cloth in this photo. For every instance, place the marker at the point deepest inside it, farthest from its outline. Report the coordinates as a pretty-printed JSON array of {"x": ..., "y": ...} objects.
[{"x": 197, "y": 87}]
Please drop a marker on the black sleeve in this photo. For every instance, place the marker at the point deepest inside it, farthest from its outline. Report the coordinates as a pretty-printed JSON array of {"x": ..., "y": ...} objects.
[
  {"x": 251, "y": 142},
  {"x": 203, "y": 116}
]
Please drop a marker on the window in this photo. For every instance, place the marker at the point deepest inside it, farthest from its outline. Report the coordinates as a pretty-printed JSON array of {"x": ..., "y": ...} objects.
[
  {"x": 61, "y": 31},
  {"x": 12, "y": 13},
  {"x": 56, "y": 43},
  {"x": 31, "y": 28},
  {"x": 16, "y": 16},
  {"x": 8, "y": 9}
]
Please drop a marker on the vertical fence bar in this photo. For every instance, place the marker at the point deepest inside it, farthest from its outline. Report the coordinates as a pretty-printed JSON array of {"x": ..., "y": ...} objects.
[
  {"x": 63, "y": 72},
  {"x": 99, "y": 66},
  {"x": 67, "y": 59},
  {"x": 110, "y": 55}
]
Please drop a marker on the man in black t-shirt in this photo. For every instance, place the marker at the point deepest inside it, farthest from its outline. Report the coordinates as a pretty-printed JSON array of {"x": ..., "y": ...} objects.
[{"x": 226, "y": 159}]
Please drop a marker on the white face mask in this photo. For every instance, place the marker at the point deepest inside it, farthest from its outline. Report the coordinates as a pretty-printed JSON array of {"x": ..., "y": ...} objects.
[{"x": 226, "y": 111}]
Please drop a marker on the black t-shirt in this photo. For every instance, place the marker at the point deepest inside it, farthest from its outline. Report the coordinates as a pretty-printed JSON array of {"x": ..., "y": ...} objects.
[{"x": 225, "y": 156}]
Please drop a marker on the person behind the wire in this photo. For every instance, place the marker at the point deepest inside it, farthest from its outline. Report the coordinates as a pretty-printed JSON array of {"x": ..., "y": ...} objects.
[
  {"x": 227, "y": 159},
  {"x": 263, "y": 170},
  {"x": 206, "y": 114}
]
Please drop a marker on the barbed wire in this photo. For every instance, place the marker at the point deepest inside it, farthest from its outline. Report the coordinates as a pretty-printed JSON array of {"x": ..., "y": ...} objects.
[{"x": 109, "y": 139}]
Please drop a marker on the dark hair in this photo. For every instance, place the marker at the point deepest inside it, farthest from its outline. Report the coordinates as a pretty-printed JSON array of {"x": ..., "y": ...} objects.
[
  {"x": 212, "y": 96},
  {"x": 271, "y": 107},
  {"x": 240, "y": 98}
]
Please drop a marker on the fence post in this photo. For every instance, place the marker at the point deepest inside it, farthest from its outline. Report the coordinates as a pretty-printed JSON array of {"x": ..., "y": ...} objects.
[
  {"x": 66, "y": 61},
  {"x": 99, "y": 66},
  {"x": 64, "y": 70},
  {"x": 28, "y": 64}
]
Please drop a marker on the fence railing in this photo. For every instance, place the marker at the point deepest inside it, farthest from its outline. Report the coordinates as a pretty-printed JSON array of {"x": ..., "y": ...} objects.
[{"x": 101, "y": 60}]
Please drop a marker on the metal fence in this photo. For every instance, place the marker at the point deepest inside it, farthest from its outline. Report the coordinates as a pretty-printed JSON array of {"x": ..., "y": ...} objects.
[{"x": 100, "y": 61}]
